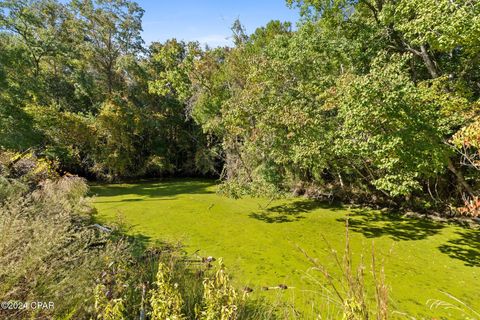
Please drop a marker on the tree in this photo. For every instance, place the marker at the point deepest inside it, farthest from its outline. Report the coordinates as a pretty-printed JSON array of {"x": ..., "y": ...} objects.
[{"x": 111, "y": 30}]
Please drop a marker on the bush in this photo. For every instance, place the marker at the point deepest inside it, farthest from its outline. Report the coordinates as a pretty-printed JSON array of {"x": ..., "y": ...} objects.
[
  {"x": 165, "y": 300},
  {"x": 48, "y": 247}
]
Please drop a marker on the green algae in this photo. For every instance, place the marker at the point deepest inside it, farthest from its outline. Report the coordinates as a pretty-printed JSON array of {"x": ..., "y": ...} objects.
[{"x": 260, "y": 242}]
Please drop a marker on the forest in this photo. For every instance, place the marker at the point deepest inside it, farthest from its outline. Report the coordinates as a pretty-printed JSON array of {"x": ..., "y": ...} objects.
[{"x": 362, "y": 103}]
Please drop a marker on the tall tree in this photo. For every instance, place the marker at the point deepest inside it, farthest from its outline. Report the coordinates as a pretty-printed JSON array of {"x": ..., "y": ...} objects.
[{"x": 111, "y": 30}]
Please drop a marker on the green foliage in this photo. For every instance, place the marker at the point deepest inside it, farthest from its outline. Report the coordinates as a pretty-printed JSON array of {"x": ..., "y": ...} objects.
[
  {"x": 75, "y": 78},
  {"x": 165, "y": 300},
  {"x": 386, "y": 126},
  {"x": 17, "y": 130},
  {"x": 362, "y": 97},
  {"x": 118, "y": 125},
  {"x": 219, "y": 297},
  {"x": 467, "y": 140},
  {"x": 69, "y": 136},
  {"x": 174, "y": 59},
  {"x": 111, "y": 32},
  {"x": 40, "y": 215},
  {"x": 108, "y": 309},
  {"x": 420, "y": 24}
]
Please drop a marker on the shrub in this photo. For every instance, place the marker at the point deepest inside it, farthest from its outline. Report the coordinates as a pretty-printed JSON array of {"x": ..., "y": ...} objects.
[
  {"x": 48, "y": 247},
  {"x": 165, "y": 300},
  {"x": 219, "y": 297}
]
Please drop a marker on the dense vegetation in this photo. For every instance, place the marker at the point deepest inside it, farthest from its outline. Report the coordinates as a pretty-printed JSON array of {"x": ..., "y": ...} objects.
[
  {"x": 368, "y": 100},
  {"x": 365, "y": 101},
  {"x": 75, "y": 89}
]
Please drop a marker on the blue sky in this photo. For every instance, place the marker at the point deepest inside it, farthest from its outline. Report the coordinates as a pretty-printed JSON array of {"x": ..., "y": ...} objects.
[{"x": 208, "y": 21}]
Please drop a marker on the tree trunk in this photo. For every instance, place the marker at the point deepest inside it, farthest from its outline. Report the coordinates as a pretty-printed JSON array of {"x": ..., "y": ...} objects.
[
  {"x": 435, "y": 74},
  {"x": 460, "y": 178},
  {"x": 428, "y": 62}
]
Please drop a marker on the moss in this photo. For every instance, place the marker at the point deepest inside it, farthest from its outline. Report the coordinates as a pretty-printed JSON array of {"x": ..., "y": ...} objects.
[{"x": 259, "y": 240}]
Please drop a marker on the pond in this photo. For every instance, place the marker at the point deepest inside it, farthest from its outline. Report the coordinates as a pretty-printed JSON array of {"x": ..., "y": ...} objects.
[{"x": 262, "y": 243}]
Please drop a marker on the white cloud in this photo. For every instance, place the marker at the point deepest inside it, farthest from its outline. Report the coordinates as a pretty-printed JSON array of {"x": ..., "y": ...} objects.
[{"x": 215, "y": 40}]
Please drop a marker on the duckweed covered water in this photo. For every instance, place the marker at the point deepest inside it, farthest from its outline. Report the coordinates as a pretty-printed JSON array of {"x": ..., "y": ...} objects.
[{"x": 260, "y": 242}]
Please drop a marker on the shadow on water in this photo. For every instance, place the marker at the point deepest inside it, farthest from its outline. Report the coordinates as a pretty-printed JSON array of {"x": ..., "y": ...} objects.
[
  {"x": 152, "y": 189},
  {"x": 141, "y": 244},
  {"x": 376, "y": 224},
  {"x": 290, "y": 212},
  {"x": 131, "y": 200},
  {"x": 136, "y": 200},
  {"x": 465, "y": 247}
]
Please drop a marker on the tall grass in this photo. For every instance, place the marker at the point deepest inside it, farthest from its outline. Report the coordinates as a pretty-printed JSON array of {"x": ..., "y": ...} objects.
[
  {"x": 48, "y": 248},
  {"x": 454, "y": 303},
  {"x": 348, "y": 296}
]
